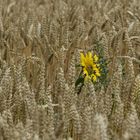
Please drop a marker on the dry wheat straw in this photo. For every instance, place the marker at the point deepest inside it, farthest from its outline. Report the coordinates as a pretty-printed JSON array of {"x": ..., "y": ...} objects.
[{"x": 40, "y": 45}]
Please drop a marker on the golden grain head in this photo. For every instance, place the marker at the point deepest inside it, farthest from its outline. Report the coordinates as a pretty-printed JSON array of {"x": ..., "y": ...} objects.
[{"x": 51, "y": 91}]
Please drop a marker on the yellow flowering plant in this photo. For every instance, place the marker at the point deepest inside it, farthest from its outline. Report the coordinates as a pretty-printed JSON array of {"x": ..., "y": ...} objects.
[
  {"x": 94, "y": 67},
  {"x": 90, "y": 66},
  {"x": 91, "y": 69}
]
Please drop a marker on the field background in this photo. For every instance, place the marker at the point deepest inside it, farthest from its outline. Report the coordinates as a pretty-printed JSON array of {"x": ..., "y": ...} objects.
[{"x": 40, "y": 45}]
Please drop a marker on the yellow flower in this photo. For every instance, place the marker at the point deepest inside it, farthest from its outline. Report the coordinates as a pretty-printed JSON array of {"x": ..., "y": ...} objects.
[
  {"x": 95, "y": 58},
  {"x": 90, "y": 66}
]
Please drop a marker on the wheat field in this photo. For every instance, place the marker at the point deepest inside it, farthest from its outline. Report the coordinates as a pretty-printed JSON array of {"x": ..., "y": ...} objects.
[{"x": 40, "y": 46}]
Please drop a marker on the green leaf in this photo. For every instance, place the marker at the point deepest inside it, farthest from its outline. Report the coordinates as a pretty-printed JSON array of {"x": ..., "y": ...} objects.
[
  {"x": 79, "y": 80},
  {"x": 77, "y": 65}
]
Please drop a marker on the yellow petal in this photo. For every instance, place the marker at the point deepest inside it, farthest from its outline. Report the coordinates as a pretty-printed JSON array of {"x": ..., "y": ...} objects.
[
  {"x": 89, "y": 54},
  {"x": 94, "y": 66},
  {"x": 96, "y": 58},
  {"x": 85, "y": 71},
  {"x": 90, "y": 58},
  {"x": 98, "y": 74},
  {"x": 82, "y": 57},
  {"x": 94, "y": 77},
  {"x": 87, "y": 78}
]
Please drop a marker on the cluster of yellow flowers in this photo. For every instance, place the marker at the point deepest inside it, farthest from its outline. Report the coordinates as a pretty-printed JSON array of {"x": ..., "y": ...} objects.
[{"x": 90, "y": 66}]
